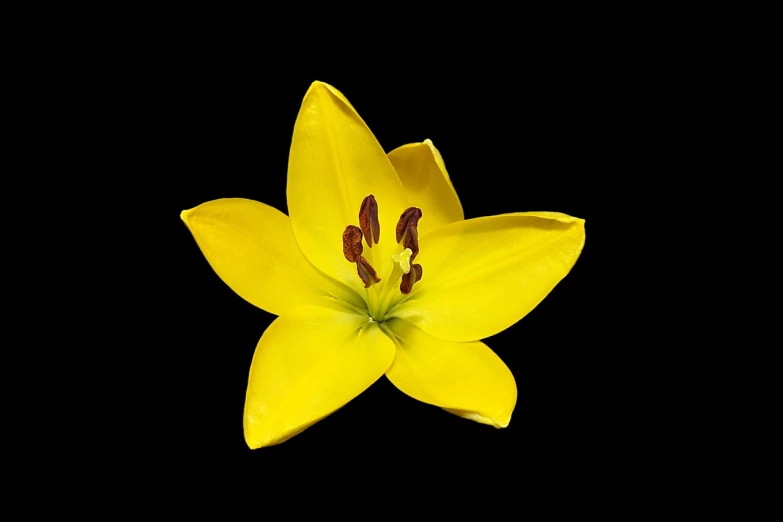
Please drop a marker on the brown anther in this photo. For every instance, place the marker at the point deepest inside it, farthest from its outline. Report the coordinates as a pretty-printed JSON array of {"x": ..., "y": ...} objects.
[
  {"x": 411, "y": 240},
  {"x": 368, "y": 220},
  {"x": 367, "y": 273},
  {"x": 406, "y": 285},
  {"x": 411, "y": 216},
  {"x": 352, "y": 243}
]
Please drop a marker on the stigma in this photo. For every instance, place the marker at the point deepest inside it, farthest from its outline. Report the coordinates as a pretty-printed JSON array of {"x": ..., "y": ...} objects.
[{"x": 403, "y": 259}]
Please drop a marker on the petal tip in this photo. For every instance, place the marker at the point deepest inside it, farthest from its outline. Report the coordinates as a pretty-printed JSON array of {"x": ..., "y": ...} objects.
[
  {"x": 496, "y": 421},
  {"x": 503, "y": 422},
  {"x": 319, "y": 86},
  {"x": 255, "y": 436},
  {"x": 499, "y": 422},
  {"x": 323, "y": 88},
  {"x": 185, "y": 214},
  {"x": 315, "y": 89}
]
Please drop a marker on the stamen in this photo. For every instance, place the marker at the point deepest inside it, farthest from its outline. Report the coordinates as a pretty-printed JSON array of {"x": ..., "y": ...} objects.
[
  {"x": 368, "y": 220},
  {"x": 367, "y": 273},
  {"x": 411, "y": 240},
  {"x": 411, "y": 216},
  {"x": 403, "y": 259},
  {"x": 352, "y": 250},
  {"x": 406, "y": 285},
  {"x": 408, "y": 235},
  {"x": 352, "y": 243}
]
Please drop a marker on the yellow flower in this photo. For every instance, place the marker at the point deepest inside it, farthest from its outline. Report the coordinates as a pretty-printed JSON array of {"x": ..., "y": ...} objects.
[{"x": 377, "y": 272}]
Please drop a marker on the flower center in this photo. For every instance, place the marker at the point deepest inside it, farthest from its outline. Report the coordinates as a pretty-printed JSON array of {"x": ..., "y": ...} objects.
[{"x": 407, "y": 234}]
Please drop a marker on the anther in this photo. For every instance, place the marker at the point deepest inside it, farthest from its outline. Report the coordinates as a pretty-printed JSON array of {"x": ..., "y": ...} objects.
[
  {"x": 411, "y": 216},
  {"x": 367, "y": 273},
  {"x": 368, "y": 220},
  {"x": 352, "y": 250},
  {"x": 406, "y": 285},
  {"x": 408, "y": 235},
  {"x": 411, "y": 240},
  {"x": 352, "y": 243}
]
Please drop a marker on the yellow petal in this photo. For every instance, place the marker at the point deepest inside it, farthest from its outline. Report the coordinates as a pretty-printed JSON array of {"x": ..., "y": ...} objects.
[
  {"x": 423, "y": 174},
  {"x": 334, "y": 163},
  {"x": 252, "y": 248},
  {"x": 483, "y": 275},
  {"x": 466, "y": 379},
  {"x": 305, "y": 369}
]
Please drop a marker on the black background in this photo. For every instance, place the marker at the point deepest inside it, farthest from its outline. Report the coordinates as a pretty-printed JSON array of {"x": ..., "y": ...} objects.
[{"x": 546, "y": 136}]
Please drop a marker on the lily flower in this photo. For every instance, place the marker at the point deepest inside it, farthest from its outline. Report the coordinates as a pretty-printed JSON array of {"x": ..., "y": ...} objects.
[{"x": 377, "y": 272}]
